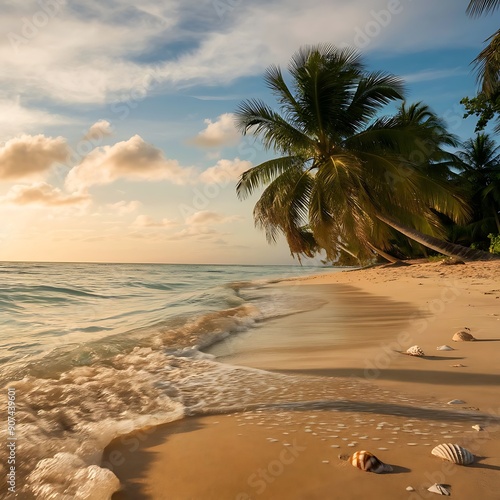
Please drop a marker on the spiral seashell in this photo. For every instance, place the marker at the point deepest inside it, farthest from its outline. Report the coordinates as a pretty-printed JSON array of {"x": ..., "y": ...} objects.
[
  {"x": 368, "y": 462},
  {"x": 462, "y": 336},
  {"x": 453, "y": 453},
  {"x": 415, "y": 350}
]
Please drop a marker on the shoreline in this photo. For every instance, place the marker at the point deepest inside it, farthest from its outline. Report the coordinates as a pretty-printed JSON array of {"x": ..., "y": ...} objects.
[{"x": 389, "y": 309}]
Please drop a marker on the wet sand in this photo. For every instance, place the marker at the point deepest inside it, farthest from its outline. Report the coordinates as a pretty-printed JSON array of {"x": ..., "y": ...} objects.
[{"x": 359, "y": 392}]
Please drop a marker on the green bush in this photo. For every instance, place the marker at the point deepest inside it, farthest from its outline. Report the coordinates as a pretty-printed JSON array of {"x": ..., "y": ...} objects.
[{"x": 494, "y": 243}]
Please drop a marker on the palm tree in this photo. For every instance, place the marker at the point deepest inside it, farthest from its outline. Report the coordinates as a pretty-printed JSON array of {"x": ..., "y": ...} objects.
[
  {"x": 479, "y": 163},
  {"x": 345, "y": 178},
  {"x": 487, "y": 63}
]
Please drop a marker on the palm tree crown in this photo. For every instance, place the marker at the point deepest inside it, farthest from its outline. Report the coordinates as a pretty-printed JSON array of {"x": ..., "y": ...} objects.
[
  {"x": 479, "y": 162},
  {"x": 345, "y": 174}
]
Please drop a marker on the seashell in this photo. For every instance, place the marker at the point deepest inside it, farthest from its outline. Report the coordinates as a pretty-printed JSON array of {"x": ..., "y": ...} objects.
[
  {"x": 410, "y": 488},
  {"x": 414, "y": 350},
  {"x": 456, "y": 402},
  {"x": 368, "y": 462},
  {"x": 439, "y": 489},
  {"x": 445, "y": 348},
  {"x": 453, "y": 453},
  {"x": 477, "y": 428},
  {"x": 462, "y": 336}
]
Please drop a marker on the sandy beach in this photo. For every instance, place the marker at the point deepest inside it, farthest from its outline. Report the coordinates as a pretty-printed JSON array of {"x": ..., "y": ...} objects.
[{"x": 350, "y": 387}]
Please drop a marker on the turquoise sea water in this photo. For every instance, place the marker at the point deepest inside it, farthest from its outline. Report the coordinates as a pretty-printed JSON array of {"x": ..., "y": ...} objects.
[{"x": 93, "y": 351}]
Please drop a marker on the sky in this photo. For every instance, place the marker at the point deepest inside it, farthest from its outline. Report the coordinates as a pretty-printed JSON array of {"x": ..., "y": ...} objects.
[{"x": 117, "y": 138}]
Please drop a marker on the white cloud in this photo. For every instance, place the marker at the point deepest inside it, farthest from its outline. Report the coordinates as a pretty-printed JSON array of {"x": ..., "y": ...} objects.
[
  {"x": 432, "y": 74},
  {"x": 225, "y": 171},
  {"x": 43, "y": 194},
  {"x": 98, "y": 131},
  {"x": 16, "y": 119},
  {"x": 133, "y": 159},
  {"x": 147, "y": 221},
  {"x": 124, "y": 207},
  {"x": 196, "y": 232},
  {"x": 30, "y": 156},
  {"x": 221, "y": 132},
  {"x": 209, "y": 217},
  {"x": 221, "y": 46}
]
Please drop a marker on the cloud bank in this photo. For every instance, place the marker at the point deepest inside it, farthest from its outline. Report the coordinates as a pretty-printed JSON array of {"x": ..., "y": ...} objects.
[
  {"x": 133, "y": 159},
  {"x": 30, "y": 156}
]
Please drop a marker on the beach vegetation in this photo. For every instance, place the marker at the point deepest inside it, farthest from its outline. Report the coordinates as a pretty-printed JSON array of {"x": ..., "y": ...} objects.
[
  {"x": 486, "y": 104},
  {"x": 495, "y": 243},
  {"x": 478, "y": 167},
  {"x": 348, "y": 179}
]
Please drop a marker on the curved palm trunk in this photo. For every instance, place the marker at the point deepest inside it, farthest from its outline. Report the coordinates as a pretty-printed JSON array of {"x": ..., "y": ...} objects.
[
  {"x": 346, "y": 250},
  {"x": 436, "y": 244},
  {"x": 383, "y": 254}
]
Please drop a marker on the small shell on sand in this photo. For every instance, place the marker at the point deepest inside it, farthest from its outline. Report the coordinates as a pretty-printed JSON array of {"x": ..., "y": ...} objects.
[
  {"x": 462, "y": 336},
  {"x": 439, "y": 489},
  {"x": 410, "y": 488},
  {"x": 453, "y": 453},
  {"x": 445, "y": 348},
  {"x": 477, "y": 428},
  {"x": 456, "y": 402},
  {"x": 368, "y": 462},
  {"x": 458, "y": 365},
  {"x": 415, "y": 350}
]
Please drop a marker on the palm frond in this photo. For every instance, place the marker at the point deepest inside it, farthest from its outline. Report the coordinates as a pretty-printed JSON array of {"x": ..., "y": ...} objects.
[
  {"x": 478, "y": 7},
  {"x": 487, "y": 65},
  {"x": 373, "y": 91},
  {"x": 274, "y": 131},
  {"x": 264, "y": 173}
]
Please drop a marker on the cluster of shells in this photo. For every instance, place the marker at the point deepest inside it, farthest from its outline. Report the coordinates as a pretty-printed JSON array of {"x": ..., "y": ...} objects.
[{"x": 368, "y": 462}]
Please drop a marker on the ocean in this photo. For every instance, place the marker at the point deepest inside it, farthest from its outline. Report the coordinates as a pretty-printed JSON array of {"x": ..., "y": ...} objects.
[{"x": 90, "y": 352}]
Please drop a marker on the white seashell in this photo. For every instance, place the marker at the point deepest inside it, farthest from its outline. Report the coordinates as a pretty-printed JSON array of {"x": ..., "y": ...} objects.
[
  {"x": 415, "y": 350},
  {"x": 445, "y": 348},
  {"x": 368, "y": 462},
  {"x": 439, "y": 489},
  {"x": 410, "y": 488},
  {"x": 453, "y": 453},
  {"x": 477, "y": 428},
  {"x": 462, "y": 336},
  {"x": 456, "y": 402}
]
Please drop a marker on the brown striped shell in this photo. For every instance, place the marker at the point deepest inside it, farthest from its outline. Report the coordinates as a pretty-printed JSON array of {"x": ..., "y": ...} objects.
[
  {"x": 368, "y": 462},
  {"x": 453, "y": 453},
  {"x": 415, "y": 350},
  {"x": 463, "y": 336}
]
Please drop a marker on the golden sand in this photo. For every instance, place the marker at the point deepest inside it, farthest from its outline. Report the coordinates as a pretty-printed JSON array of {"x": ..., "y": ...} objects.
[{"x": 360, "y": 392}]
